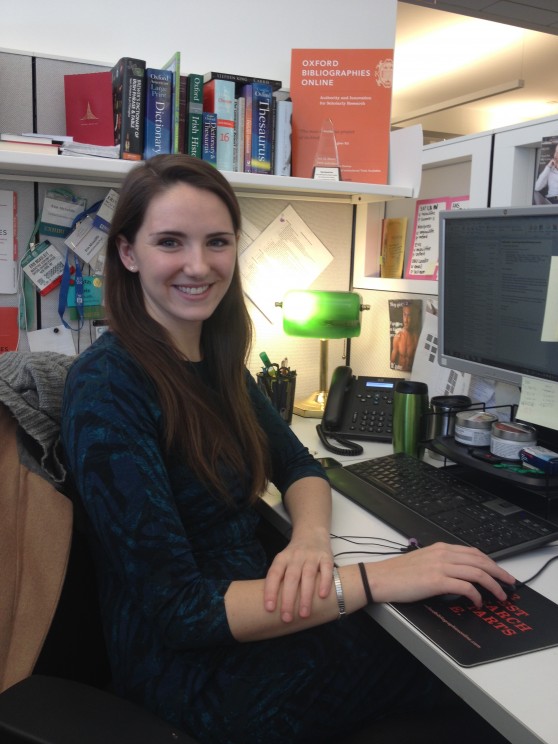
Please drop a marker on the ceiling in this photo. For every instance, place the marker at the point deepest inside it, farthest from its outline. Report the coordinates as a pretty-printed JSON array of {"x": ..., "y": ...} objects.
[
  {"x": 447, "y": 54},
  {"x": 537, "y": 15}
]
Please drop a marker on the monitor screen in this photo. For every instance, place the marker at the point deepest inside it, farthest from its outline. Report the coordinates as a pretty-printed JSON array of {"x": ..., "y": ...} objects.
[{"x": 497, "y": 287}]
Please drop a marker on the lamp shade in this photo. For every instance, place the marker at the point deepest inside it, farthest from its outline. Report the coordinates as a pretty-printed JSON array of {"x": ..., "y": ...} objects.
[{"x": 321, "y": 314}]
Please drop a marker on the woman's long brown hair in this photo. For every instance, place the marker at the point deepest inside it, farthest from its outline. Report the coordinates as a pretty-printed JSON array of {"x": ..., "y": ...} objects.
[{"x": 213, "y": 428}]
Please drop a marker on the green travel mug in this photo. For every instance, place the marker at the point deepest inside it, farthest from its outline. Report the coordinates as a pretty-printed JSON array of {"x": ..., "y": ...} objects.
[{"x": 410, "y": 406}]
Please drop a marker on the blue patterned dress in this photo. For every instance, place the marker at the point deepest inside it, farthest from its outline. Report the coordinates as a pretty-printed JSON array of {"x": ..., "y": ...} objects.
[{"x": 166, "y": 550}]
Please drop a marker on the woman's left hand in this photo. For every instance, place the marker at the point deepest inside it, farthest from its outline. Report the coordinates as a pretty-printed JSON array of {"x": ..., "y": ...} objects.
[{"x": 304, "y": 565}]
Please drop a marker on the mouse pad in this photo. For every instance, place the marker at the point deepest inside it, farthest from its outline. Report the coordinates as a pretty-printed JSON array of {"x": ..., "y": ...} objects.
[{"x": 526, "y": 621}]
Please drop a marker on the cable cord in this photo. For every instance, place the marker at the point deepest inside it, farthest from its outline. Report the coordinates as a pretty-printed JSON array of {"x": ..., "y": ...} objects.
[
  {"x": 369, "y": 540},
  {"x": 539, "y": 572},
  {"x": 349, "y": 448},
  {"x": 389, "y": 547}
]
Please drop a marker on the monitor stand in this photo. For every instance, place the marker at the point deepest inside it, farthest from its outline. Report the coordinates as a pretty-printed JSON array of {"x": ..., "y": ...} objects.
[{"x": 537, "y": 493}]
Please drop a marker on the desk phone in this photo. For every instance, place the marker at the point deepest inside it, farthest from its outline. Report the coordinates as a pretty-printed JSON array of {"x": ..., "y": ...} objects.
[{"x": 358, "y": 408}]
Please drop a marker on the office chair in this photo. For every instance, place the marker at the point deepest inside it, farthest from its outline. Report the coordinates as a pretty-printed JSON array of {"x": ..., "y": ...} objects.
[
  {"x": 54, "y": 669},
  {"x": 53, "y": 710},
  {"x": 67, "y": 699}
]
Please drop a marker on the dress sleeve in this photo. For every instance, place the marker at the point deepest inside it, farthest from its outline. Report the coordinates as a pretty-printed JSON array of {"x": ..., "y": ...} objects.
[
  {"x": 111, "y": 435},
  {"x": 290, "y": 459}
]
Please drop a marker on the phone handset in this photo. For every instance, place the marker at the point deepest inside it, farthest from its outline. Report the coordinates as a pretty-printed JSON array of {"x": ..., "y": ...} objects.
[{"x": 341, "y": 380}]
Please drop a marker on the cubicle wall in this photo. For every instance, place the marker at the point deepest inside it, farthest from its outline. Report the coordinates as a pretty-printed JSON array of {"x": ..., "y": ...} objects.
[
  {"x": 16, "y": 84},
  {"x": 495, "y": 168},
  {"x": 32, "y": 100},
  {"x": 16, "y": 115},
  {"x": 455, "y": 168}
]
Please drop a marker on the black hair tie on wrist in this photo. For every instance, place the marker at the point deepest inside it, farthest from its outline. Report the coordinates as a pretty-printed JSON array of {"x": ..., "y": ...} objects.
[{"x": 364, "y": 577}]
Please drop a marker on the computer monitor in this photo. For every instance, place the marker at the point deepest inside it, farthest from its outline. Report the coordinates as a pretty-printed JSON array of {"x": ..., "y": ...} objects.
[{"x": 495, "y": 304}]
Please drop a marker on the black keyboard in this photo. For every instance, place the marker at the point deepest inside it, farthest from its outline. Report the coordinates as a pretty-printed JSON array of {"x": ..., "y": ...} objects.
[{"x": 430, "y": 504}]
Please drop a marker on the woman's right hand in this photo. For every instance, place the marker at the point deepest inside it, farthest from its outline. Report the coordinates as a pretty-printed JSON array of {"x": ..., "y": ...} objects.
[{"x": 438, "y": 569}]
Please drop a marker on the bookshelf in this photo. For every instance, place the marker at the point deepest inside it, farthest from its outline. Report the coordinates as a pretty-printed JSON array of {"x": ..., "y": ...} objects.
[
  {"x": 449, "y": 168},
  {"x": 88, "y": 171}
]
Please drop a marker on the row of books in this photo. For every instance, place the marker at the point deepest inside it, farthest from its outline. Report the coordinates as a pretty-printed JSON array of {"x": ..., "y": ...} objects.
[
  {"x": 237, "y": 123},
  {"x": 334, "y": 121}
]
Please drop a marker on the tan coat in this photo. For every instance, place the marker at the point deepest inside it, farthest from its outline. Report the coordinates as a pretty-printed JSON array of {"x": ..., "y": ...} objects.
[{"x": 35, "y": 537}]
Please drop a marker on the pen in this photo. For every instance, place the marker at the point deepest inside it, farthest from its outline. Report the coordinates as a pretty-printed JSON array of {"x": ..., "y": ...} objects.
[{"x": 265, "y": 359}]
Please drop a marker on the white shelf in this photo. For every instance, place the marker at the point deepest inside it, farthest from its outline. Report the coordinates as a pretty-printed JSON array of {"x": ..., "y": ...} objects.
[
  {"x": 90, "y": 171},
  {"x": 474, "y": 149}
]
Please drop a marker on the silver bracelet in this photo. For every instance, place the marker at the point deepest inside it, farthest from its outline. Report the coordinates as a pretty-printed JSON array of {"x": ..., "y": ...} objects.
[{"x": 339, "y": 593}]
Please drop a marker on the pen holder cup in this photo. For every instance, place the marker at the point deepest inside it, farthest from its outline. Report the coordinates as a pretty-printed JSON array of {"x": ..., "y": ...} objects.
[{"x": 281, "y": 392}]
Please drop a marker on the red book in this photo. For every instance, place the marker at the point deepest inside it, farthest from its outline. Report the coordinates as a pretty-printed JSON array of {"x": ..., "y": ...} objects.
[
  {"x": 9, "y": 333},
  {"x": 89, "y": 109}
]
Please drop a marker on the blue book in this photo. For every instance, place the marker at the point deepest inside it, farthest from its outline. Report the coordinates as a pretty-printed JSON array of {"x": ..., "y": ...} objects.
[
  {"x": 258, "y": 127},
  {"x": 158, "y": 113},
  {"x": 209, "y": 137}
]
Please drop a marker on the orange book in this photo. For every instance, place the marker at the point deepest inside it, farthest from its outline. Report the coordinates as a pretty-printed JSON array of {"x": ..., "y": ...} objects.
[{"x": 341, "y": 113}]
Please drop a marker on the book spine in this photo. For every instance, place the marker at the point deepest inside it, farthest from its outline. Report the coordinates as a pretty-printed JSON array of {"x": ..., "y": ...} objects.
[
  {"x": 173, "y": 65},
  {"x": 158, "y": 113},
  {"x": 209, "y": 137},
  {"x": 247, "y": 95},
  {"x": 240, "y": 114},
  {"x": 241, "y": 80},
  {"x": 195, "y": 112},
  {"x": 29, "y": 147},
  {"x": 273, "y": 131},
  {"x": 128, "y": 76},
  {"x": 182, "y": 113},
  {"x": 262, "y": 102},
  {"x": 283, "y": 138},
  {"x": 218, "y": 98}
]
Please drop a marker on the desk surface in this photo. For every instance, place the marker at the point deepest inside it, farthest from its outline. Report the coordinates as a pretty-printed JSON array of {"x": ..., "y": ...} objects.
[{"x": 518, "y": 696}]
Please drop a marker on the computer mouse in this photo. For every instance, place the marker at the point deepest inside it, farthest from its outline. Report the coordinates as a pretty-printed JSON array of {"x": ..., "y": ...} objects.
[{"x": 485, "y": 593}]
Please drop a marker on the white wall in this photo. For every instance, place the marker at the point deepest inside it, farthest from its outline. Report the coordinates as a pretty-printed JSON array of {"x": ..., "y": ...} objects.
[{"x": 244, "y": 36}]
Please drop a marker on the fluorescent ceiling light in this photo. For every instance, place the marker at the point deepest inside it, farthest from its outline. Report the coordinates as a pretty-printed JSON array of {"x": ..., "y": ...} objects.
[
  {"x": 478, "y": 95},
  {"x": 461, "y": 44}
]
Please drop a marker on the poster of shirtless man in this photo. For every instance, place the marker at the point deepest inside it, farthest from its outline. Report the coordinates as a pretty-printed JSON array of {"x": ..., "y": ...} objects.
[{"x": 405, "y": 318}]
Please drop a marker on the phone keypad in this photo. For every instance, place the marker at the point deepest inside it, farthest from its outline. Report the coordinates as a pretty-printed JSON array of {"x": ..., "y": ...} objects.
[{"x": 375, "y": 415}]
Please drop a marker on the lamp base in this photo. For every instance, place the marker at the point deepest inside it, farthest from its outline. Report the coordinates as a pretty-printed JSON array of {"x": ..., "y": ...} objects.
[{"x": 311, "y": 407}]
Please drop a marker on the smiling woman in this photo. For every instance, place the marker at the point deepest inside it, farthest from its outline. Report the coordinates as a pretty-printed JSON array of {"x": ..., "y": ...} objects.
[
  {"x": 184, "y": 255},
  {"x": 172, "y": 236},
  {"x": 169, "y": 443}
]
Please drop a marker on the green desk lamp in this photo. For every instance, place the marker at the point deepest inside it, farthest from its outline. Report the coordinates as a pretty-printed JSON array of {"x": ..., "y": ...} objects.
[{"x": 320, "y": 314}]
